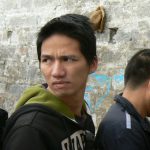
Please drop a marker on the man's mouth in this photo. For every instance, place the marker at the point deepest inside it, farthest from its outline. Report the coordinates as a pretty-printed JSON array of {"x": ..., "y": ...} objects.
[{"x": 60, "y": 84}]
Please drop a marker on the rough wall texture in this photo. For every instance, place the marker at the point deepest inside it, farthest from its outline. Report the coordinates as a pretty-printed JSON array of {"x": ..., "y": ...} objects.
[{"x": 127, "y": 30}]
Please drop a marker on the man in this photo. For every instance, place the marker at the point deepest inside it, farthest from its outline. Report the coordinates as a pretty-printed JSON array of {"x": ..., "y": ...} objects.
[
  {"x": 53, "y": 116},
  {"x": 125, "y": 126}
]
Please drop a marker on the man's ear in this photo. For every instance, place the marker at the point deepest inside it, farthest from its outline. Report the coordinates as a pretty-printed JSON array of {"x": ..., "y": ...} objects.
[
  {"x": 147, "y": 91},
  {"x": 93, "y": 65},
  {"x": 148, "y": 85}
]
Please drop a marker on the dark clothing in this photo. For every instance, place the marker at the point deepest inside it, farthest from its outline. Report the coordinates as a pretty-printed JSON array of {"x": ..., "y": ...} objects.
[
  {"x": 37, "y": 127},
  {"x": 43, "y": 122},
  {"x": 3, "y": 118},
  {"x": 123, "y": 128}
]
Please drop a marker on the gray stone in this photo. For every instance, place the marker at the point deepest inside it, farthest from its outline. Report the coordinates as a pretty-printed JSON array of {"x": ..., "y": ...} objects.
[
  {"x": 21, "y": 20},
  {"x": 9, "y": 4},
  {"x": 2, "y": 87},
  {"x": 28, "y": 4},
  {"x": 41, "y": 3}
]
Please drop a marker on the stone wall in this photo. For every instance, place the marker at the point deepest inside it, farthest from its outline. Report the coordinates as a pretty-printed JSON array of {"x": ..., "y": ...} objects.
[{"x": 127, "y": 30}]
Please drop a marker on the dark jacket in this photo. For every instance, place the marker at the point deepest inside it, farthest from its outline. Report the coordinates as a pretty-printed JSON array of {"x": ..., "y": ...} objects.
[
  {"x": 36, "y": 127},
  {"x": 123, "y": 128},
  {"x": 3, "y": 118},
  {"x": 43, "y": 122}
]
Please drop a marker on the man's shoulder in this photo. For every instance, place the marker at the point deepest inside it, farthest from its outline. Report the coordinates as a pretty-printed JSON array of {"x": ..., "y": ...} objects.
[
  {"x": 29, "y": 115},
  {"x": 117, "y": 120},
  {"x": 115, "y": 115},
  {"x": 118, "y": 126}
]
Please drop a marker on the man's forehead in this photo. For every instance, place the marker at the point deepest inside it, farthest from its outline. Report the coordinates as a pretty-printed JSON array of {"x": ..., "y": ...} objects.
[
  {"x": 60, "y": 56},
  {"x": 60, "y": 45},
  {"x": 61, "y": 50},
  {"x": 58, "y": 39},
  {"x": 59, "y": 53}
]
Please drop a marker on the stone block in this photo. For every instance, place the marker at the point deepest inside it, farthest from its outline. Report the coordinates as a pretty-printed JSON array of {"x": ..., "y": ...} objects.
[
  {"x": 21, "y": 20},
  {"x": 2, "y": 87}
]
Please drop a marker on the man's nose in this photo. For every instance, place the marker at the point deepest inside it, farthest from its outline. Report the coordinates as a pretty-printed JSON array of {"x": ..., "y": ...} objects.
[{"x": 58, "y": 69}]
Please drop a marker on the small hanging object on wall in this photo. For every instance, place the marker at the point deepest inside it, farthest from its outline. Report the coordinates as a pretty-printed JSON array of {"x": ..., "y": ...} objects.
[{"x": 97, "y": 19}]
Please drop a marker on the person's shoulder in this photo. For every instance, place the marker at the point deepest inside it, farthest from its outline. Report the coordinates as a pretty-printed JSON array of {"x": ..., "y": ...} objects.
[
  {"x": 115, "y": 116},
  {"x": 23, "y": 116},
  {"x": 119, "y": 126},
  {"x": 29, "y": 114},
  {"x": 114, "y": 122},
  {"x": 117, "y": 120}
]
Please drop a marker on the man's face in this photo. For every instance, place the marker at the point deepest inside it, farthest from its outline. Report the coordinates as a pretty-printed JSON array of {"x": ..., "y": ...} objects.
[{"x": 64, "y": 66}]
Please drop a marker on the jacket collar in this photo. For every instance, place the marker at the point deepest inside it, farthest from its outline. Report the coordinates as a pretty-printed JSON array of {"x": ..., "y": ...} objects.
[
  {"x": 38, "y": 94},
  {"x": 132, "y": 111}
]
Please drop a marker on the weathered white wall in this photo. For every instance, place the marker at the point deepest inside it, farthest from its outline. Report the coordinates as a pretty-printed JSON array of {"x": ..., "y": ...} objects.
[{"x": 127, "y": 30}]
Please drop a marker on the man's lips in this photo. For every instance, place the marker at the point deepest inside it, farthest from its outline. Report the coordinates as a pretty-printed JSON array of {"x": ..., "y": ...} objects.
[{"x": 60, "y": 84}]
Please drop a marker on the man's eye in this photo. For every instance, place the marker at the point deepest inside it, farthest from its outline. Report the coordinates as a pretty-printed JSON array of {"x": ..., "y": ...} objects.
[
  {"x": 46, "y": 60},
  {"x": 68, "y": 59}
]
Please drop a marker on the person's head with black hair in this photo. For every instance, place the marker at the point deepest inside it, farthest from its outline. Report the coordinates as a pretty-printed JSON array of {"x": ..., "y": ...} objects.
[
  {"x": 137, "y": 82},
  {"x": 74, "y": 26},
  {"x": 66, "y": 48},
  {"x": 138, "y": 69}
]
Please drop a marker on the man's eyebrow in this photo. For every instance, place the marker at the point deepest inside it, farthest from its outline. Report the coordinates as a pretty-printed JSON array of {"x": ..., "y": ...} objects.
[
  {"x": 46, "y": 56},
  {"x": 69, "y": 56},
  {"x": 49, "y": 56}
]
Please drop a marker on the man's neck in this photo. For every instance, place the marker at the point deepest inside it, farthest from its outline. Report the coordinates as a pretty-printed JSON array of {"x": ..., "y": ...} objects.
[
  {"x": 136, "y": 98},
  {"x": 74, "y": 103}
]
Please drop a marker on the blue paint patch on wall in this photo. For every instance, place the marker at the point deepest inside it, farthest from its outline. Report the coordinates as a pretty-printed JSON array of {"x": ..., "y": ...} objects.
[
  {"x": 104, "y": 81},
  {"x": 87, "y": 99},
  {"x": 101, "y": 79},
  {"x": 118, "y": 78},
  {"x": 89, "y": 88}
]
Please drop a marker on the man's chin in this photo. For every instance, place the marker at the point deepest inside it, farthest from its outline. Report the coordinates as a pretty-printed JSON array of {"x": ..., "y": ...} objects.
[{"x": 60, "y": 93}]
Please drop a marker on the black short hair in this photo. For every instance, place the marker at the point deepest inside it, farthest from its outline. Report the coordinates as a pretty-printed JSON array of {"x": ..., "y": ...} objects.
[
  {"x": 72, "y": 25},
  {"x": 138, "y": 69}
]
